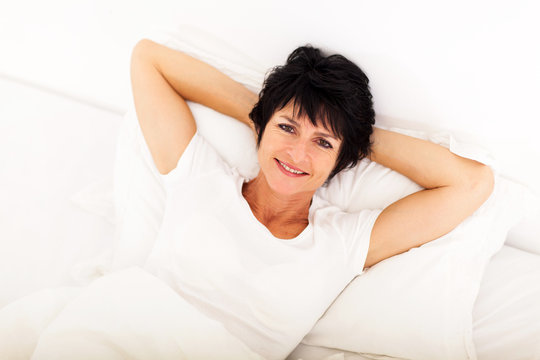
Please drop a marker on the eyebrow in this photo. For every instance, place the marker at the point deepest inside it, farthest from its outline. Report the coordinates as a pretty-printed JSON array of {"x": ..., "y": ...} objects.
[{"x": 318, "y": 133}]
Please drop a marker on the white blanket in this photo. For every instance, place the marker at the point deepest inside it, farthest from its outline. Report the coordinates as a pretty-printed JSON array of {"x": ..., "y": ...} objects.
[{"x": 129, "y": 314}]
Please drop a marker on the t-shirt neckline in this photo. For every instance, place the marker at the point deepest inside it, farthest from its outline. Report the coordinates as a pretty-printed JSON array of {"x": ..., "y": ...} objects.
[{"x": 240, "y": 181}]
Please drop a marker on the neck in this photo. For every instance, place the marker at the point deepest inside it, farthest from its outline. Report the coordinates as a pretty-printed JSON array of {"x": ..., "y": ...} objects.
[{"x": 272, "y": 208}]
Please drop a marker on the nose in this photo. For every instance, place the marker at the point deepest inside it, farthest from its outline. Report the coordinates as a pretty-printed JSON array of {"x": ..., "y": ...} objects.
[{"x": 298, "y": 152}]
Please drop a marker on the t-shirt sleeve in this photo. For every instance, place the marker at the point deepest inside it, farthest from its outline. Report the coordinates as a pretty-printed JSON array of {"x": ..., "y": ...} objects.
[
  {"x": 354, "y": 230},
  {"x": 358, "y": 243},
  {"x": 199, "y": 159}
]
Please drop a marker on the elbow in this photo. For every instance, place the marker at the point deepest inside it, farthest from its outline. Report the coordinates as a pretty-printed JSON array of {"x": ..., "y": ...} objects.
[
  {"x": 482, "y": 183},
  {"x": 143, "y": 49},
  {"x": 143, "y": 44}
]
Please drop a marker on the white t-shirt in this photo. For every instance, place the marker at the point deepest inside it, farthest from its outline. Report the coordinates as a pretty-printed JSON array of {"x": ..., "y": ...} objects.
[{"x": 212, "y": 250}]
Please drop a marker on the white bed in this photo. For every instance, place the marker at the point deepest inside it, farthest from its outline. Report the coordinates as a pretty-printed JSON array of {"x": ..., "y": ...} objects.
[
  {"x": 57, "y": 152},
  {"x": 43, "y": 258}
]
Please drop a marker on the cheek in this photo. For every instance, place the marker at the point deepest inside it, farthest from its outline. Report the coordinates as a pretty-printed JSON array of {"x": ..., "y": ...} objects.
[
  {"x": 269, "y": 145},
  {"x": 327, "y": 162}
]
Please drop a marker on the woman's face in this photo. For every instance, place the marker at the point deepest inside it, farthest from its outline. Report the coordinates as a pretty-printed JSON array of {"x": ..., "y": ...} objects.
[{"x": 294, "y": 155}]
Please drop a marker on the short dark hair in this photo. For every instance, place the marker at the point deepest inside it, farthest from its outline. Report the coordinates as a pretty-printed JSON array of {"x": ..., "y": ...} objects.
[{"x": 331, "y": 90}]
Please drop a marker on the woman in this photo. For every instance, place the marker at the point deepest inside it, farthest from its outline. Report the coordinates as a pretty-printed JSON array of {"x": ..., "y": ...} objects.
[{"x": 281, "y": 253}]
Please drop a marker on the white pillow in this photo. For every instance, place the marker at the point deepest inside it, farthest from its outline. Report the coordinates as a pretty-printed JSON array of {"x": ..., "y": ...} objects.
[
  {"x": 139, "y": 197},
  {"x": 371, "y": 185},
  {"x": 139, "y": 192},
  {"x": 214, "y": 51},
  {"x": 417, "y": 305},
  {"x": 525, "y": 235}
]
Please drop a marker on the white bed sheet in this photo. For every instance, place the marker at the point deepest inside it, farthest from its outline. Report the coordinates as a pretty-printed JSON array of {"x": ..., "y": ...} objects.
[
  {"x": 102, "y": 321},
  {"x": 51, "y": 147},
  {"x": 506, "y": 313},
  {"x": 506, "y": 316}
]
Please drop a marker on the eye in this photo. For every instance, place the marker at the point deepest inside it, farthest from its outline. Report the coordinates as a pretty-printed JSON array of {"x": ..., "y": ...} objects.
[
  {"x": 325, "y": 144},
  {"x": 286, "y": 128}
]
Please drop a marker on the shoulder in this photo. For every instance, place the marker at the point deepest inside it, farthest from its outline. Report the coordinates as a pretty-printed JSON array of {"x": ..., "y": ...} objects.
[
  {"x": 349, "y": 231},
  {"x": 332, "y": 218},
  {"x": 200, "y": 159}
]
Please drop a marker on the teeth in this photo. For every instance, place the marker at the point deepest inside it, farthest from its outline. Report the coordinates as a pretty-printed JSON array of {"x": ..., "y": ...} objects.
[{"x": 289, "y": 169}]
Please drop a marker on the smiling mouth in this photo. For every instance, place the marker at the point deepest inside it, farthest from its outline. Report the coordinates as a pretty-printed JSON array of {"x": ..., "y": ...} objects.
[{"x": 289, "y": 170}]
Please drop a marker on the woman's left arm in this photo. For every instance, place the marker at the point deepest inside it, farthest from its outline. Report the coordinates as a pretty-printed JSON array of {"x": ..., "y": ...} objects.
[{"x": 454, "y": 188}]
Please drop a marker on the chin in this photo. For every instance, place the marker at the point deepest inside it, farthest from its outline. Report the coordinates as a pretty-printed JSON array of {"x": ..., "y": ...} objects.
[
  {"x": 288, "y": 190},
  {"x": 289, "y": 186}
]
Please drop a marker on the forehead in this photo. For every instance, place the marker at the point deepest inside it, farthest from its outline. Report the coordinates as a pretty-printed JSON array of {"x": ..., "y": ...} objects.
[{"x": 299, "y": 118}]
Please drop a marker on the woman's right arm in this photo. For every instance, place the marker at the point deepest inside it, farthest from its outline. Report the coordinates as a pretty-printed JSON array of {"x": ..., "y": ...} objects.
[
  {"x": 162, "y": 80},
  {"x": 454, "y": 188}
]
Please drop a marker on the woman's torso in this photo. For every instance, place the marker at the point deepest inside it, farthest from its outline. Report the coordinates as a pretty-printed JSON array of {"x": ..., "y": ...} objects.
[{"x": 212, "y": 250}]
